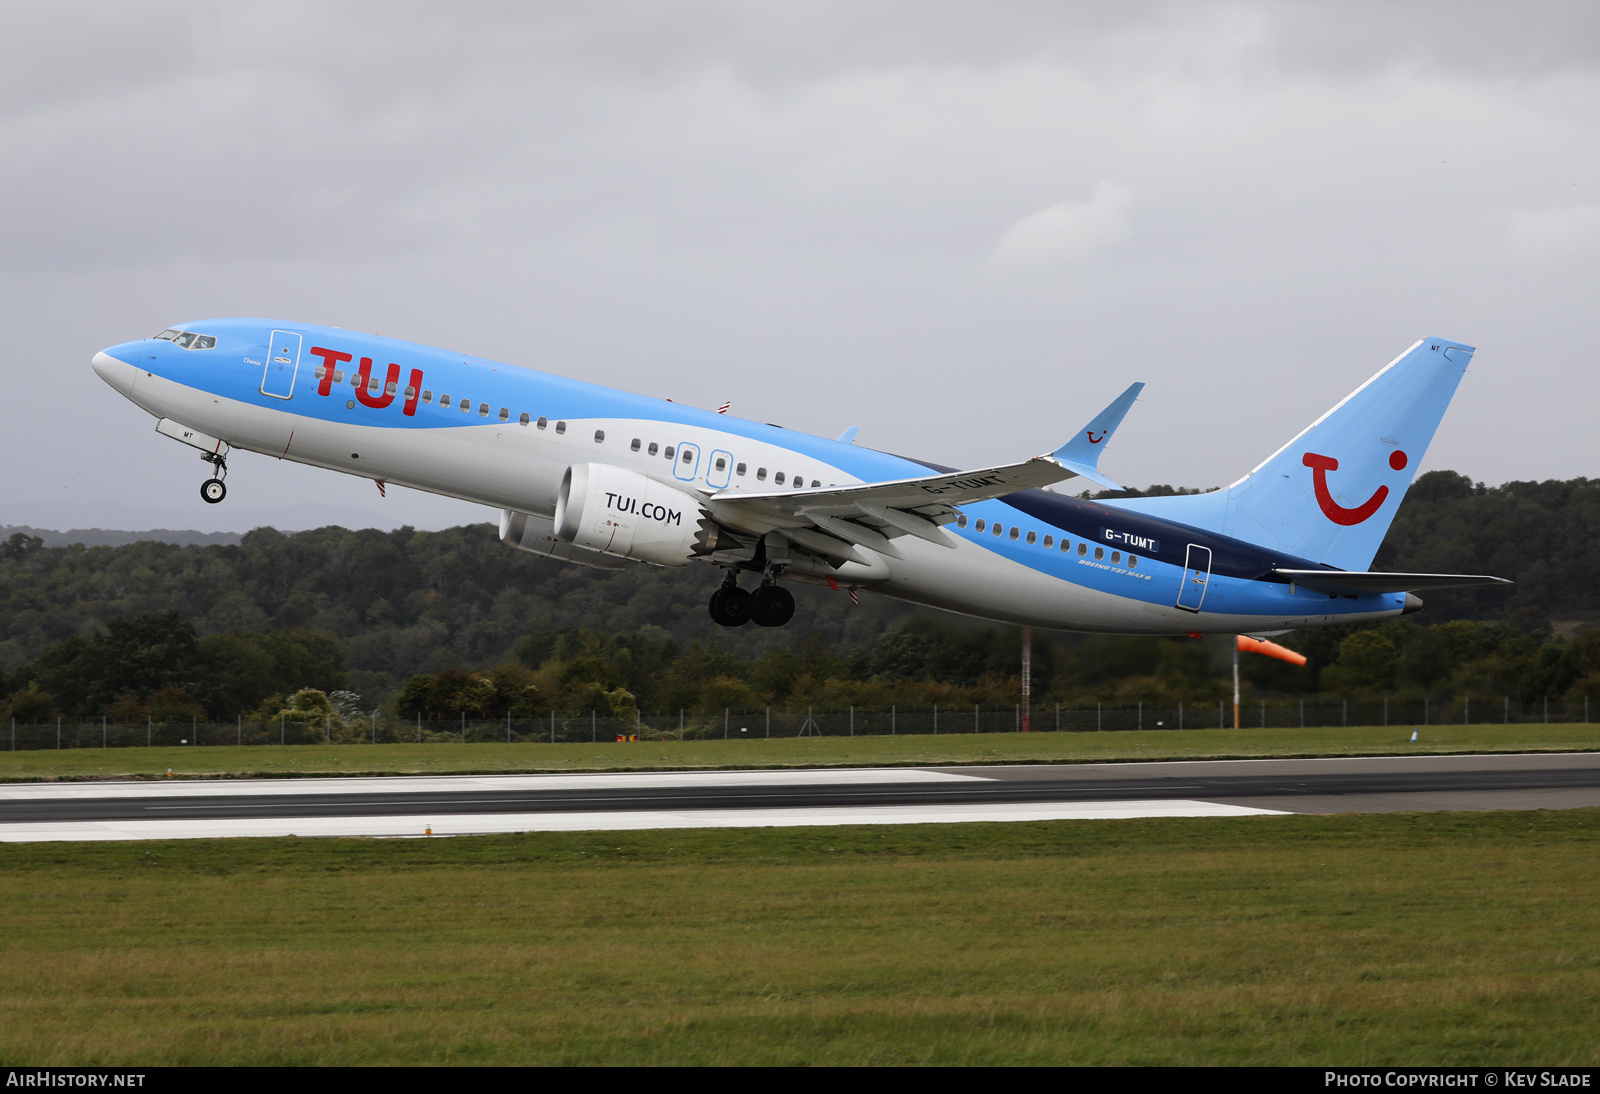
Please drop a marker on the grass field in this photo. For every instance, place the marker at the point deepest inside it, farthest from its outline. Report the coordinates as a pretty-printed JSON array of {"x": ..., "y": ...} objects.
[
  {"x": 1392, "y": 939},
  {"x": 438, "y": 759}
]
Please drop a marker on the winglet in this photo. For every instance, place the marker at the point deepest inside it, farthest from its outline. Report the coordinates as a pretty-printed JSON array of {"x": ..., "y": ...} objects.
[
  {"x": 1081, "y": 455},
  {"x": 849, "y": 435}
]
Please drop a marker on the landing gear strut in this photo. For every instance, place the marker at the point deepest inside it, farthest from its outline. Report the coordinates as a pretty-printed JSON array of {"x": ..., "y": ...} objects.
[{"x": 214, "y": 490}]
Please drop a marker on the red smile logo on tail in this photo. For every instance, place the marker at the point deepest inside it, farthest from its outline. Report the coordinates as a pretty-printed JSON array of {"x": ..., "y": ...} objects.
[
  {"x": 1321, "y": 465},
  {"x": 1093, "y": 439}
]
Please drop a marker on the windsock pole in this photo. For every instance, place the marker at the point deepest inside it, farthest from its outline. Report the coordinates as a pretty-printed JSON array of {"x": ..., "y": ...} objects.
[{"x": 1235, "y": 684}]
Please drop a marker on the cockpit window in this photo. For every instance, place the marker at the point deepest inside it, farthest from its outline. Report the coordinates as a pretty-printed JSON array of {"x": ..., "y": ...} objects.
[{"x": 188, "y": 339}]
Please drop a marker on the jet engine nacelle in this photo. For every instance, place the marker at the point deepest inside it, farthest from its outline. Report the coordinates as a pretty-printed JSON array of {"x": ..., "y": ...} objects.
[{"x": 619, "y": 512}]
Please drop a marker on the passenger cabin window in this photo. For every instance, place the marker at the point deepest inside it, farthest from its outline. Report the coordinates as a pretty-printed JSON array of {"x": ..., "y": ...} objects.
[
  {"x": 816, "y": 483},
  {"x": 1083, "y": 548},
  {"x": 961, "y": 520},
  {"x": 778, "y": 478},
  {"x": 999, "y": 528},
  {"x": 1015, "y": 532},
  {"x": 1049, "y": 542},
  {"x": 1066, "y": 545},
  {"x": 561, "y": 427},
  {"x": 599, "y": 436},
  {"x": 635, "y": 445},
  {"x": 483, "y": 410},
  {"x": 1116, "y": 556},
  {"x": 721, "y": 463},
  {"x": 524, "y": 419},
  {"x": 427, "y": 397},
  {"x": 338, "y": 375},
  {"x": 979, "y": 525},
  {"x": 761, "y": 474},
  {"x": 688, "y": 457},
  {"x": 1099, "y": 553},
  {"x": 1133, "y": 562},
  {"x": 542, "y": 422},
  {"x": 739, "y": 470},
  {"x": 388, "y": 389},
  {"x": 411, "y": 393},
  {"x": 653, "y": 449},
  {"x": 505, "y": 415},
  {"x": 670, "y": 452},
  {"x": 444, "y": 400},
  {"x": 1032, "y": 538},
  {"x": 466, "y": 405}
]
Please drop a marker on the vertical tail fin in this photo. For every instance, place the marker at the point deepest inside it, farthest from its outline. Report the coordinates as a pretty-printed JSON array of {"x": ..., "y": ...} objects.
[{"x": 1330, "y": 494}]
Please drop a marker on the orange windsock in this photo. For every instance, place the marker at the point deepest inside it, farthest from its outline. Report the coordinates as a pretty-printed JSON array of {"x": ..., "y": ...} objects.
[{"x": 1270, "y": 649}]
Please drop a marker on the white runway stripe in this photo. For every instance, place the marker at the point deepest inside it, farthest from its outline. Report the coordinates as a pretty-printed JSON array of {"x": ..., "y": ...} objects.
[
  {"x": 484, "y": 823},
  {"x": 434, "y": 784}
]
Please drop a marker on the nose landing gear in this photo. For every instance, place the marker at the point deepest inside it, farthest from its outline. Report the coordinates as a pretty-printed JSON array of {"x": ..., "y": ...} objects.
[{"x": 214, "y": 490}]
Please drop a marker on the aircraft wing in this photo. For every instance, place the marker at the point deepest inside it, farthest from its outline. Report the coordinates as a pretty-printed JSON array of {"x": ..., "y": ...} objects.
[
  {"x": 1349, "y": 581},
  {"x": 828, "y": 519}
]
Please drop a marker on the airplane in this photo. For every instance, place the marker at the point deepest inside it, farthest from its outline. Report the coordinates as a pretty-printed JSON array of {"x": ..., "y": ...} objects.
[{"x": 598, "y": 477}]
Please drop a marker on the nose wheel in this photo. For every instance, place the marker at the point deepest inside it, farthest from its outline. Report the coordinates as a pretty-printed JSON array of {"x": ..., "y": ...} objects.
[{"x": 214, "y": 490}]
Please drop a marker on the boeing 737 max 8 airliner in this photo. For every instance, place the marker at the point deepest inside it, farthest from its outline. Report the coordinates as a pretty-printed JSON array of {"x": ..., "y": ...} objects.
[{"x": 598, "y": 477}]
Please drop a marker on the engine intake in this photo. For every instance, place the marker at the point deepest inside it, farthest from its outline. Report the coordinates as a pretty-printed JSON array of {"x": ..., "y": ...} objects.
[{"x": 622, "y": 513}]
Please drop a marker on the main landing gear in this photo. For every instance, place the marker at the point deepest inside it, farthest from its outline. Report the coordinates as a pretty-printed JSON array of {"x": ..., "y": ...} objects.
[
  {"x": 769, "y": 605},
  {"x": 214, "y": 490}
]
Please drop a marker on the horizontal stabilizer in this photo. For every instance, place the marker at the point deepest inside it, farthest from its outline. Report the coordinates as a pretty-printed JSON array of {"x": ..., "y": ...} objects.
[{"x": 1345, "y": 581}]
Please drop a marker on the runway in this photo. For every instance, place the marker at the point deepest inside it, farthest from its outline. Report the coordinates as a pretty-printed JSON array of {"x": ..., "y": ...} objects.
[{"x": 513, "y": 803}]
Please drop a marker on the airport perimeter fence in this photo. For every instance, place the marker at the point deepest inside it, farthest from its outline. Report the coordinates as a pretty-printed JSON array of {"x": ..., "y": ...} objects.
[{"x": 594, "y": 727}]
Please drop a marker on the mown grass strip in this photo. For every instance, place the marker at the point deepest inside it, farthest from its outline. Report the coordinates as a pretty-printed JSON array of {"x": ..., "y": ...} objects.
[
  {"x": 1390, "y": 939},
  {"x": 271, "y": 761}
]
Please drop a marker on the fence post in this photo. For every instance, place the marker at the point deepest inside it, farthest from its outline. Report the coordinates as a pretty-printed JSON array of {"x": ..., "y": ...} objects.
[
  {"x": 1097, "y": 717},
  {"x": 1424, "y": 710},
  {"x": 1263, "y": 714},
  {"x": 1344, "y": 716},
  {"x": 1141, "y": 715},
  {"x": 594, "y": 728},
  {"x": 241, "y": 729},
  {"x": 419, "y": 727},
  {"x": 464, "y": 727},
  {"x": 1546, "y": 720},
  {"x": 1507, "y": 700},
  {"x": 977, "y": 727},
  {"x": 1180, "y": 713},
  {"x": 724, "y": 723},
  {"x": 375, "y": 726},
  {"x": 1219, "y": 713},
  {"x": 1466, "y": 710},
  {"x": 1385, "y": 711},
  {"x": 680, "y": 723},
  {"x": 149, "y": 729},
  {"x": 58, "y": 724},
  {"x": 769, "y": 723},
  {"x": 327, "y": 728},
  {"x": 891, "y": 719},
  {"x": 552, "y": 726},
  {"x": 282, "y": 734},
  {"x": 241, "y": 724},
  {"x": 1302, "y": 714},
  {"x": 852, "y": 720},
  {"x": 1058, "y": 715},
  {"x": 638, "y": 721}
]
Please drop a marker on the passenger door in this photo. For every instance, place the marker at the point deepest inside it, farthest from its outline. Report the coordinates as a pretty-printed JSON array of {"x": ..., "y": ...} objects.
[
  {"x": 283, "y": 361},
  {"x": 1196, "y": 578}
]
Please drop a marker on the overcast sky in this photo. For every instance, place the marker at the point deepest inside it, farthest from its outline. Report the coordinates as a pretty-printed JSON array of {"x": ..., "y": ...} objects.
[{"x": 962, "y": 227}]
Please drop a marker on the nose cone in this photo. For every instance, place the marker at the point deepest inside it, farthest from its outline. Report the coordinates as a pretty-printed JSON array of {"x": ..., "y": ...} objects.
[{"x": 112, "y": 367}]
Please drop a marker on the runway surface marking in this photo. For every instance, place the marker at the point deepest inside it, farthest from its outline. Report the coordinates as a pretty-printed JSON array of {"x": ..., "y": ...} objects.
[
  {"x": 437, "y": 784},
  {"x": 486, "y": 823}
]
